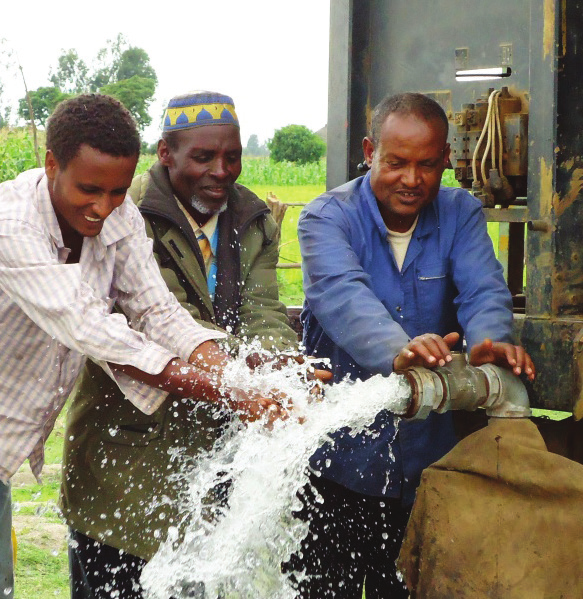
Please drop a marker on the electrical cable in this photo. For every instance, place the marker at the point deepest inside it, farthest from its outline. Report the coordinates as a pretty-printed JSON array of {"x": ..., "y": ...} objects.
[
  {"x": 477, "y": 148},
  {"x": 500, "y": 143},
  {"x": 490, "y": 125}
]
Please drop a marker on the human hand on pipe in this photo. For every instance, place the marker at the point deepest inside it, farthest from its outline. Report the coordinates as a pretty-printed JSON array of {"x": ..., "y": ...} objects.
[
  {"x": 506, "y": 355},
  {"x": 429, "y": 350},
  {"x": 256, "y": 359}
]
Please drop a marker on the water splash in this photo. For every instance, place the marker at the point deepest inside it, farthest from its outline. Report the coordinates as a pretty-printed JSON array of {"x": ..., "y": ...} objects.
[{"x": 234, "y": 548}]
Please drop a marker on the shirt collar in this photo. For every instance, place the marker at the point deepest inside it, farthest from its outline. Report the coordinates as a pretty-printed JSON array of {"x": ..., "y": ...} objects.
[
  {"x": 427, "y": 222},
  {"x": 208, "y": 228},
  {"x": 47, "y": 212}
]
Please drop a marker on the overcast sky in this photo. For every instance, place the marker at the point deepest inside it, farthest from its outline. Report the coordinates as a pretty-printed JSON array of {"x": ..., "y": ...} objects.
[{"x": 271, "y": 56}]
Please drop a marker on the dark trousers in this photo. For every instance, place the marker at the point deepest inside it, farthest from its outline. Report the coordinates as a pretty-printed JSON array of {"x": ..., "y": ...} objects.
[
  {"x": 353, "y": 540},
  {"x": 98, "y": 571}
]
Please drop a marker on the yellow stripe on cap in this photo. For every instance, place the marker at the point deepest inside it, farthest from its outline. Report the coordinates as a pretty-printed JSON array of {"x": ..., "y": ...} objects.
[{"x": 192, "y": 110}]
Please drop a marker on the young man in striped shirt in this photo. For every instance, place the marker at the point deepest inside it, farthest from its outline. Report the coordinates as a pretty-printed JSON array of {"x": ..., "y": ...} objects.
[{"x": 72, "y": 245}]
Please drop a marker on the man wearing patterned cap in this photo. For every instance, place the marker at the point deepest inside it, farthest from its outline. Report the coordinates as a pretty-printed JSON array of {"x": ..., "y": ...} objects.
[{"x": 216, "y": 244}]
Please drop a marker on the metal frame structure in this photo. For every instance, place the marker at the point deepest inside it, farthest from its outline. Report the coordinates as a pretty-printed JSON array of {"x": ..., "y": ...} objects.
[{"x": 379, "y": 47}]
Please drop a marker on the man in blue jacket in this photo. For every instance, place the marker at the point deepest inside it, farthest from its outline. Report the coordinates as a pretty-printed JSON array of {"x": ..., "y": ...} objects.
[{"x": 397, "y": 271}]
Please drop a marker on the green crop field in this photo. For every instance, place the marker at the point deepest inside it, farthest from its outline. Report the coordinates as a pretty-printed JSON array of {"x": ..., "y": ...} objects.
[{"x": 16, "y": 153}]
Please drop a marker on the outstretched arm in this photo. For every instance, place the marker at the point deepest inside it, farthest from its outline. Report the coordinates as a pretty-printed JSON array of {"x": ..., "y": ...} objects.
[{"x": 201, "y": 379}]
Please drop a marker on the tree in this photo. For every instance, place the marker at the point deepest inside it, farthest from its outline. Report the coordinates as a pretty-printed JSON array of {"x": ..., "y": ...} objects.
[
  {"x": 135, "y": 61},
  {"x": 106, "y": 64},
  {"x": 119, "y": 70},
  {"x": 253, "y": 145},
  {"x": 71, "y": 74},
  {"x": 253, "y": 148},
  {"x": 8, "y": 69},
  {"x": 125, "y": 72},
  {"x": 135, "y": 94},
  {"x": 296, "y": 143},
  {"x": 44, "y": 100}
]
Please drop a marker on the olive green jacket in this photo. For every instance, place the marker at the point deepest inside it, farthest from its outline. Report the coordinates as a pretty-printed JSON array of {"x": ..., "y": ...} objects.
[{"x": 121, "y": 481}]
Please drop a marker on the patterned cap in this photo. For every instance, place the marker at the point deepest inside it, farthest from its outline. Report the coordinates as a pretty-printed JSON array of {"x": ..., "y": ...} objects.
[{"x": 199, "y": 108}]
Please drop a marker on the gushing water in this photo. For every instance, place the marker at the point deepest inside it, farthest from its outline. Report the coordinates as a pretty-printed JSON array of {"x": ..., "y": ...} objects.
[{"x": 233, "y": 547}]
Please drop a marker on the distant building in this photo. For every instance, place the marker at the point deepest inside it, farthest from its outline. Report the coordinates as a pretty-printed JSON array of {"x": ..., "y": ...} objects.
[{"x": 323, "y": 133}]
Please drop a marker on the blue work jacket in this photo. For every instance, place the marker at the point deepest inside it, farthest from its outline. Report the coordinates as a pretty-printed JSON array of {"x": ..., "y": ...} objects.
[{"x": 360, "y": 311}]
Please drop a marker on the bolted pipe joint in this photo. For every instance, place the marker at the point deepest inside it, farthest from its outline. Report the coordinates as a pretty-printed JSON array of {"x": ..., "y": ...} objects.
[{"x": 459, "y": 386}]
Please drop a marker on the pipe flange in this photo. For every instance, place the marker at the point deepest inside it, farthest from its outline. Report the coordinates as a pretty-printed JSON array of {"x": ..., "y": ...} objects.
[
  {"x": 507, "y": 395},
  {"x": 427, "y": 392}
]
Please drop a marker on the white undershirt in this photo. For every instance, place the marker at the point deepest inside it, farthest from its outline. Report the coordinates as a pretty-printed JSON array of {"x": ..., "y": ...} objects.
[{"x": 400, "y": 242}]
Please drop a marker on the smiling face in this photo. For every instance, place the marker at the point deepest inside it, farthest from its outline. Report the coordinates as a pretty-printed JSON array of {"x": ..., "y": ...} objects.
[
  {"x": 88, "y": 189},
  {"x": 406, "y": 167},
  {"x": 203, "y": 164}
]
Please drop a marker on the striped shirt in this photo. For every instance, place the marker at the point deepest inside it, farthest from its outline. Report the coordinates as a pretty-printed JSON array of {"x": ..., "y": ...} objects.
[{"x": 53, "y": 315}]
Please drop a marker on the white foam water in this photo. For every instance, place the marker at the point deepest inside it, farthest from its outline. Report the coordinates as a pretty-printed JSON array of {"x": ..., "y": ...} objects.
[{"x": 235, "y": 549}]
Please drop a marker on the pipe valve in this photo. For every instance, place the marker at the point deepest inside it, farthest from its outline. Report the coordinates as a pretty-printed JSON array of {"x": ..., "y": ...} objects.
[{"x": 460, "y": 386}]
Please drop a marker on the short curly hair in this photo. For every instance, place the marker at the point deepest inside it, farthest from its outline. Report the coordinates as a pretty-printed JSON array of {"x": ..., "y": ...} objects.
[
  {"x": 100, "y": 121},
  {"x": 419, "y": 105}
]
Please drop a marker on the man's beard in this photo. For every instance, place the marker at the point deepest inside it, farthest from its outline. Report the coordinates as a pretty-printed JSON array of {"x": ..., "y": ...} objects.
[{"x": 202, "y": 208}]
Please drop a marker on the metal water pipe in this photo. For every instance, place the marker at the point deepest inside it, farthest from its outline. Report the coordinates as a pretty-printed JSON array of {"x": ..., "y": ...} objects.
[{"x": 460, "y": 386}]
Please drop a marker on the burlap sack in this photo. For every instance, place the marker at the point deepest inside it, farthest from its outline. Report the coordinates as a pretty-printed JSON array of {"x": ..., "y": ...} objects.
[{"x": 499, "y": 517}]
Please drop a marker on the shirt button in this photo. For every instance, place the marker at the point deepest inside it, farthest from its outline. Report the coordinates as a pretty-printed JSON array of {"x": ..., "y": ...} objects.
[{"x": 398, "y": 308}]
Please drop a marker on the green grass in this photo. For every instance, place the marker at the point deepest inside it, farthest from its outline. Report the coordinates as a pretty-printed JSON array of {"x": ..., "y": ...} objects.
[
  {"x": 37, "y": 494},
  {"x": 145, "y": 162},
  {"x": 42, "y": 568},
  {"x": 290, "y": 280},
  {"x": 41, "y": 572},
  {"x": 265, "y": 172},
  {"x": 551, "y": 414}
]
